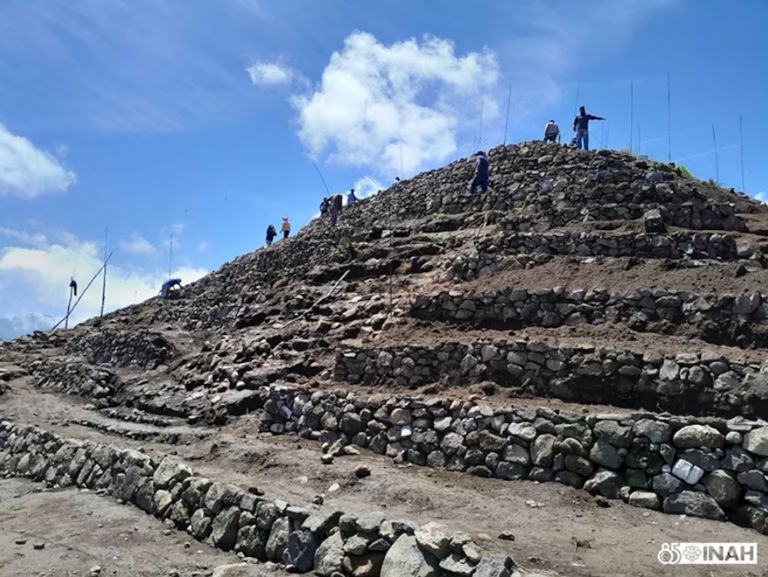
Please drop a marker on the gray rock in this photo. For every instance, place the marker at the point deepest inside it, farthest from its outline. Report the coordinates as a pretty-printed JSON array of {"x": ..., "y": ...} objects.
[
  {"x": 278, "y": 539},
  {"x": 224, "y": 528},
  {"x": 322, "y": 521},
  {"x": 432, "y": 539},
  {"x": 329, "y": 556},
  {"x": 613, "y": 433},
  {"x": 250, "y": 541},
  {"x": 605, "y": 454},
  {"x": 452, "y": 443},
  {"x": 756, "y": 441},
  {"x": 457, "y": 565},
  {"x": 694, "y": 436},
  {"x": 300, "y": 551},
  {"x": 666, "y": 484},
  {"x": 200, "y": 524},
  {"x": 542, "y": 450},
  {"x": 646, "y": 499},
  {"x": 753, "y": 479},
  {"x": 605, "y": 483},
  {"x": 494, "y": 566},
  {"x": 220, "y": 495},
  {"x": 656, "y": 431},
  {"x": 723, "y": 488},
  {"x": 405, "y": 559},
  {"x": 694, "y": 504},
  {"x": 162, "y": 501},
  {"x": 517, "y": 455},
  {"x": 168, "y": 471}
]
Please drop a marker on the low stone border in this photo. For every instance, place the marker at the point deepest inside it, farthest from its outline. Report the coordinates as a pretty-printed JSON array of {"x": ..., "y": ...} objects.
[
  {"x": 683, "y": 383},
  {"x": 740, "y": 320},
  {"x": 698, "y": 245},
  {"x": 708, "y": 468},
  {"x": 328, "y": 541}
]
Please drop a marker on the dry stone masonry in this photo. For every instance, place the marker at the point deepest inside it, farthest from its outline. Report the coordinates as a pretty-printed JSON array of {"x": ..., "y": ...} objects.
[
  {"x": 707, "y": 467},
  {"x": 721, "y": 319},
  {"x": 691, "y": 383},
  {"x": 324, "y": 540}
]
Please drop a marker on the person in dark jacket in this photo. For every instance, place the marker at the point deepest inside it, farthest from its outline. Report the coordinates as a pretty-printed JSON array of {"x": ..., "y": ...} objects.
[
  {"x": 336, "y": 204},
  {"x": 581, "y": 127},
  {"x": 482, "y": 167},
  {"x": 271, "y": 234}
]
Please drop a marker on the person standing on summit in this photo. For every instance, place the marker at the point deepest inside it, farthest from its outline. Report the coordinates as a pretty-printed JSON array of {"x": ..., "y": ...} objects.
[
  {"x": 581, "y": 127},
  {"x": 480, "y": 178}
]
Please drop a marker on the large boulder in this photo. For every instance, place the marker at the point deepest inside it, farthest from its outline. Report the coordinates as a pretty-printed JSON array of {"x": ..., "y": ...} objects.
[
  {"x": 723, "y": 488},
  {"x": 432, "y": 539},
  {"x": 695, "y": 436},
  {"x": 224, "y": 528},
  {"x": 299, "y": 553},
  {"x": 494, "y": 566},
  {"x": 406, "y": 559},
  {"x": 329, "y": 556},
  {"x": 694, "y": 504},
  {"x": 756, "y": 441}
]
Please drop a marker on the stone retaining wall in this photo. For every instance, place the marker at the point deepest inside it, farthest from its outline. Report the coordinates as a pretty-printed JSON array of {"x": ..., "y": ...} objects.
[
  {"x": 690, "y": 383},
  {"x": 706, "y": 467},
  {"x": 146, "y": 349},
  {"x": 327, "y": 541},
  {"x": 700, "y": 245},
  {"x": 740, "y": 320}
]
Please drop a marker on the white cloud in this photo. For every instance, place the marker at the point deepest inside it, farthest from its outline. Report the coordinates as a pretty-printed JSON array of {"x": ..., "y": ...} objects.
[
  {"x": 12, "y": 327},
  {"x": 37, "y": 280},
  {"x": 367, "y": 186},
  {"x": 270, "y": 74},
  {"x": 202, "y": 246},
  {"x": 761, "y": 196},
  {"x": 29, "y": 238},
  {"x": 28, "y": 172},
  {"x": 396, "y": 108},
  {"x": 137, "y": 244}
]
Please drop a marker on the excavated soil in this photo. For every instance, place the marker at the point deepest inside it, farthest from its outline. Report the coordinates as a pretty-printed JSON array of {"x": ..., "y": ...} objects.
[
  {"x": 69, "y": 533},
  {"x": 556, "y": 529}
]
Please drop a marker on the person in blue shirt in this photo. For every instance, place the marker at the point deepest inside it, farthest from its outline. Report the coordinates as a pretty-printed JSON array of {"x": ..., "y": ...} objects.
[
  {"x": 480, "y": 178},
  {"x": 165, "y": 291},
  {"x": 351, "y": 198},
  {"x": 581, "y": 127}
]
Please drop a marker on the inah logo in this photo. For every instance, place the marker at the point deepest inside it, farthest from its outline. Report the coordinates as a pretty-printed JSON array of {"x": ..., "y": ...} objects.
[{"x": 708, "y": 554}]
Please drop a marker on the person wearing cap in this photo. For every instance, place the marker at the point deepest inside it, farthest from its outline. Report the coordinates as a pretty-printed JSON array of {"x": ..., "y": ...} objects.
[
  {"x": 286, "y": 228},
  {"x": 480, "y": 178},
  {"x": 581, "y": 127},
  {"x": 551, "y": 132}
]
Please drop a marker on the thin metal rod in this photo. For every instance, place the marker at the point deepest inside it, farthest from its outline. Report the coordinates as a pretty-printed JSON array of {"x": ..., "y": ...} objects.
[
  {"x": 741, "y": 146},
  {"x": 669, "y": 118},
  {"x": 506, "y": 123},
  {"x": 69, "y": 304},
  {"x": 82, "y": 294},
  {"x": 631, "y": 112},
  {"x": 576, "y": 105},
  {"x": 321, "y": 178},
  {"x": 717, "y": 159},
  {"x": 104, "y": 283}
]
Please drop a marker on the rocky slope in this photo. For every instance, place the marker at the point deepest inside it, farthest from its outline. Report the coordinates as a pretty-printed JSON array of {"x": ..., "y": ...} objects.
[{"x": 593, "y": 278}]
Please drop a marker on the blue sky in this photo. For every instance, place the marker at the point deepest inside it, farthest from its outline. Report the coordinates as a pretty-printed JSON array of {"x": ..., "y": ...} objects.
[{"x": 202, "y": 119}]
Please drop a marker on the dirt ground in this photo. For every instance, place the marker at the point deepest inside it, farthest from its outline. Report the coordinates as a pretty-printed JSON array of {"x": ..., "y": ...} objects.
[
  {"x": 80, "y": 531},
  {"x": 556, "y": 529},
  {"x": 624, "y": 275}
]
